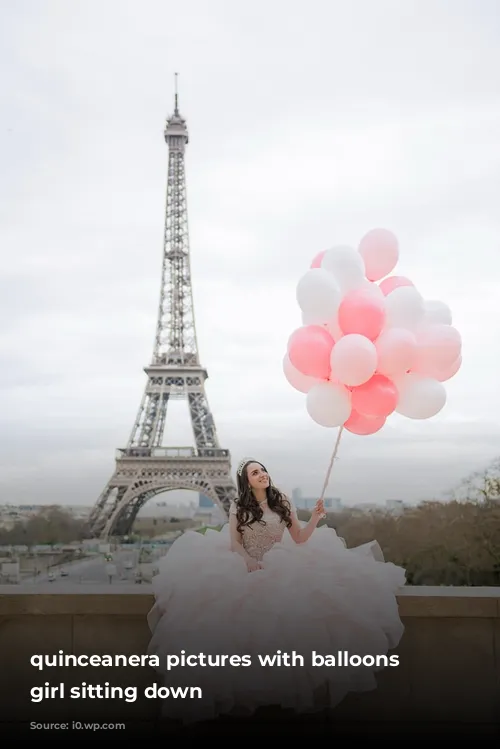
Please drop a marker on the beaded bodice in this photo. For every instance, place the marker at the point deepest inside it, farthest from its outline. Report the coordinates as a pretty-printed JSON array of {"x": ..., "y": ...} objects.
[{"x": 259, "y": 538}]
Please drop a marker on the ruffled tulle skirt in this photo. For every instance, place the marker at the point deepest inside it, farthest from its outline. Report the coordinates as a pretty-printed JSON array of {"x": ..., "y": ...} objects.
[{"x": 314, "y": 598}]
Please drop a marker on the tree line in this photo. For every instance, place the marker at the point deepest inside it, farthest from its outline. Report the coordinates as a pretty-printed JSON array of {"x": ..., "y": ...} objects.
[
  {"x": 453, "y": 542},
  {"x": 49, "y": 526}
]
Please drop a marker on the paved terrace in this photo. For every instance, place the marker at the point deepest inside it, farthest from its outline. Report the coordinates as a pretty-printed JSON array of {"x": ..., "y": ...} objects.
[{"x": 449, "y": 656}]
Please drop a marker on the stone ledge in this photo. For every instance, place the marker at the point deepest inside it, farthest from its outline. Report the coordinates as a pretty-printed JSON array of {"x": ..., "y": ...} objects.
[
  {"x": 449, "y": 655},
  {"x": 137, "y": 601}
]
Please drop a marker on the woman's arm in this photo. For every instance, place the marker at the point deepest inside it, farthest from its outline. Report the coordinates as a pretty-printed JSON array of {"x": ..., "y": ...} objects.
[{"x": 301, "y": 535}]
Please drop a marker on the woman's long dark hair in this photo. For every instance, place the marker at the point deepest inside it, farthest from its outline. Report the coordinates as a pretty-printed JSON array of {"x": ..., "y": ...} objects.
[{"x": 249, "y": 511}]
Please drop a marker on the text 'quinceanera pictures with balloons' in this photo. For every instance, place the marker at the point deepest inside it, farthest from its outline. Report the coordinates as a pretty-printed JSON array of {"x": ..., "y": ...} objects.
[{"x": 369, "y": 347}]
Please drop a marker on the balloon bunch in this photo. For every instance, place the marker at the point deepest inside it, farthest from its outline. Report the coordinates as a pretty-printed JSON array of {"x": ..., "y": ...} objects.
[{"x": 369, "y": 347}]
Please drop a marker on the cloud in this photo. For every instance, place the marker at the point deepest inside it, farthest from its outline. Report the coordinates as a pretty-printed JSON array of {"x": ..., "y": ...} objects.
[{"x": 304, "y": 132}]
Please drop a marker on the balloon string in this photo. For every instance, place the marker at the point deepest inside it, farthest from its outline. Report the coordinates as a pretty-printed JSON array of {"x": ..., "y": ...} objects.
[{"x": 332, "y": 460}]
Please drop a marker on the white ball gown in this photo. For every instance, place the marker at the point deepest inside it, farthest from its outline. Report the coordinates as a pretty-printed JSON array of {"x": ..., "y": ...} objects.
[{"x": 317, "y": 596}]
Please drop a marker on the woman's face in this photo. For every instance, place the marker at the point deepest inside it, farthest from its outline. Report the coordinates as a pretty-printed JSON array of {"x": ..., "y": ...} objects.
[{"x": 258, "y": 478}]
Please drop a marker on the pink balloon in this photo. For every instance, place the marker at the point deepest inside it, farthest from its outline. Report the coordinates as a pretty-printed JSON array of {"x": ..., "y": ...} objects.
[
  {"x": 309, "y": 350},
  {"x": 363, "y": 425},
  {"x": 380, "y": 252},
  {"x": 362, "y": 312},
  {"x": 439, "y": 346},
  {"x": 396, "y": 351},
  {"x": 441, "y": 374},
  {"x": 377, "y": 397},
  {"x": 316, "y": 263},
  {"x": 394, "y": 282}
]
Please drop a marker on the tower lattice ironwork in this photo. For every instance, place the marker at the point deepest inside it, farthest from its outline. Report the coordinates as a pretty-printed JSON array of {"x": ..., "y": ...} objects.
[{"x": 145, "y": 468}]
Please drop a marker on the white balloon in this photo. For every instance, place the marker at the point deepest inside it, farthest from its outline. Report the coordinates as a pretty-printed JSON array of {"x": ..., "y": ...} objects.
[
  {"x": 419, "y": 397},
  {"x": 397, "y": 351},
  {"x": 379, "y": 249},
  {"x": 334, "y": 329},
  {"x": 353, "y": 360},
  {"x": 436, "y": 311},
  {"x": 439, "y": 345},
  {"x": 346, "y": 265},
  {"x": 329, "y": 405},
  {"x": 373, "y": 288},
  {"x": 297, "y": 380},
  {"x": 318, "y": 294},
  {"x": 404, "y": 308}
]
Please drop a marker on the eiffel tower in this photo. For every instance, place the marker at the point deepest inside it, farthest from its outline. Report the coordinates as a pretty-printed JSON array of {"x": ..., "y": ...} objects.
[{"x": 144, "y": 468}]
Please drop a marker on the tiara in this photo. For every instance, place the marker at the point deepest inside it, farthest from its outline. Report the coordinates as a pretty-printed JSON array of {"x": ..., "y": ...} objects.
[{"x": 243, "y": 463}]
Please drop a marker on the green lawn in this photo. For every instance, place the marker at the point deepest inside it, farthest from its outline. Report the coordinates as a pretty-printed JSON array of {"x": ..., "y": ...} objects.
[{"x": 209, "y": 527}]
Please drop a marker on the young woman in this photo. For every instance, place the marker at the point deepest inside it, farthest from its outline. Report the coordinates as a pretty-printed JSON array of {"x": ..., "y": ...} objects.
[{"x": 270, "y": 586}]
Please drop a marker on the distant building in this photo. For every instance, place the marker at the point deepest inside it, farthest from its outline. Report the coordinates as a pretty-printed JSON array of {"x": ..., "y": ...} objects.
[
  {"x": 332, "y": 504},
  {"x": 395, "y": 506},
  {"x": 10, "y": 572},
  {"x": 167, "y": 510}
]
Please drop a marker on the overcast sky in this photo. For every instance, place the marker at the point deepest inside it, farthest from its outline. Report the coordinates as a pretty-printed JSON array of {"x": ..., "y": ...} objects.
[{"x": 310, "y": 123}]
